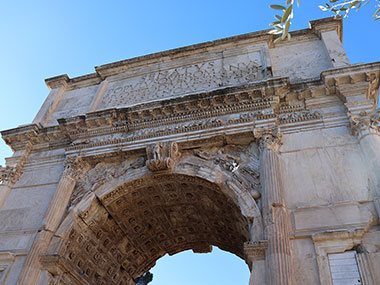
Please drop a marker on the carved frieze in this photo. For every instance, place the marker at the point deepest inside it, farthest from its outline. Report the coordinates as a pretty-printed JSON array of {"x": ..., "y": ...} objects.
[
  {"x": 162, "y": 156},
  {"x": 304, "y": 115}
]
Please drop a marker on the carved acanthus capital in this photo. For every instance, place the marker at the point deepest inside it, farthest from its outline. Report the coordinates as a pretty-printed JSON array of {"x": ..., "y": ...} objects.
[
  {"x": 162, "y": 156},
  {"x": 268, "y": 138},
  {"x": 75, "y": 167},
  {"x": 365, "y": 122},
  {"x": 8, "y": 175},
  {"x": 255, "y": 249}
]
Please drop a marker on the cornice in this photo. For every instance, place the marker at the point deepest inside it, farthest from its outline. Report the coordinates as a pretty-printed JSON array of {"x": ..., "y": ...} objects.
[
  {"x": 328, "y": 24},
  {"x": 206, "y": 48}
]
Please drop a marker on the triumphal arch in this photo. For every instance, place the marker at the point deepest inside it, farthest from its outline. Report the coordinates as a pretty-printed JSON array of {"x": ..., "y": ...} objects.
[{"x": 267, "y": 150}]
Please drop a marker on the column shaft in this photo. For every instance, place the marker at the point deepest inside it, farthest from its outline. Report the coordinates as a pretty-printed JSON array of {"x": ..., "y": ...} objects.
[{"x": 276, "y": 220}]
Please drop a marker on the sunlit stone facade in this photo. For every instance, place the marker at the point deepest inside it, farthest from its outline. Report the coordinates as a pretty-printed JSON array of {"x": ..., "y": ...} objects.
[{"x": 270, "y": 151}]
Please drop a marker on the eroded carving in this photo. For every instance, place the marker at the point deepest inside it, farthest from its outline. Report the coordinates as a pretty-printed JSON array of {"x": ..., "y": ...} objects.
[
  {"x": 162, "y": 156},
  {"x": 268, "y": 138},
  {"x": 102, "y": 173},
  {"x": 255, "y": 249},
  {"x": 241, "y": 162},
  {"x": 181, "y": 80},
  {"x": 365, "y": 122},
  {"x": 299, "y": 116},
  {"x": 10, "y": 174},
  {"x": 75, "y": 167}
]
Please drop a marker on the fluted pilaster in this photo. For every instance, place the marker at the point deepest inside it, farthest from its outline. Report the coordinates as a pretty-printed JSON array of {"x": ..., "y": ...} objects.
[
  {"x": 255, "y": 255},
  {"x": 276, "y": 218},
  {"x": 31, "y": 270},
  {"x": 365, "y": 127}
]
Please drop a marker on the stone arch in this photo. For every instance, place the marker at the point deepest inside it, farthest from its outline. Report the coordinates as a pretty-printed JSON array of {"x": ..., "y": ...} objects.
[{"x": 129, "y": 222}]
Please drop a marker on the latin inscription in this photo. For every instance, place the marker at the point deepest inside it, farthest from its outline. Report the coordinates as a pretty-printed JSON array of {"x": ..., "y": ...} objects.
[{"x": 182, "y": 80}]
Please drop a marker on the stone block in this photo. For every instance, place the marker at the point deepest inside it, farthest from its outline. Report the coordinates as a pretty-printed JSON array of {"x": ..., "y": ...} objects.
[{"x": 25, "y": 207}]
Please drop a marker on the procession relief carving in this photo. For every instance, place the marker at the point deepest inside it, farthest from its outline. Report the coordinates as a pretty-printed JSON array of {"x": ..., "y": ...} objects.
[
  {"x": 365, "y": 122},
  {"x": 181, "y": 80}
]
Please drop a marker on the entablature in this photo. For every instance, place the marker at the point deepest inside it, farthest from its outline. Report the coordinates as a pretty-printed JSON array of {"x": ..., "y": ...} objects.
[{"x": 224, "y": 112}]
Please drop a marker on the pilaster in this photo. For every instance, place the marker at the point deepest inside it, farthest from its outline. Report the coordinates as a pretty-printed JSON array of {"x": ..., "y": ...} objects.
[
  {"x": 255, "y": 254},
  {"x": 74, "y": 167},
  {"x": 277, "y": 224},
  {"x": 365, "y": 126}
]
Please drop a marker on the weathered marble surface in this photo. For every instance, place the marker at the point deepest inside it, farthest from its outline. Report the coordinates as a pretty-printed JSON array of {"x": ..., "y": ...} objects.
[{"x": 163, "y": 153}]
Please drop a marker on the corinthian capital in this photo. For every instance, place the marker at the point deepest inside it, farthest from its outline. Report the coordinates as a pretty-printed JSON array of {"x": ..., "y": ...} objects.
[
  {"x": 365, "y": 122},
  {"x": 8, "y": 175},
  {"x": 74, "y": 167},
  {"x": 268, "y": 138}
]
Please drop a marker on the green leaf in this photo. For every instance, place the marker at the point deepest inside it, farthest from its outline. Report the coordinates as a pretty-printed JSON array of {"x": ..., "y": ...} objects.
[
  {"x": 323, "y": 8},
  {"x": 277, "y": 7},
  {"x": 288, "y": 2},
  {"x": 278, "y": 17},
  {"x": 287, "y": 25},
  {"x": 275, "y": 23},
  {"x": 286, "y": 14}
]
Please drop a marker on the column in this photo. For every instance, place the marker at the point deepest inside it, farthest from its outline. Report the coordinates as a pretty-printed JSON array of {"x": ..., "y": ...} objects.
[
  {"x": 53, "y": 216},
  {"x": 277, "y": 225},
  {"x": 365, "y": 127}
]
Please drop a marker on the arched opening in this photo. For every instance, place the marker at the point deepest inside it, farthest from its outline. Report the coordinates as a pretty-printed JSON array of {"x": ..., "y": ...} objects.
[
  {"x": 188, "y": 268},
  {"x": 117, "y": 236}
]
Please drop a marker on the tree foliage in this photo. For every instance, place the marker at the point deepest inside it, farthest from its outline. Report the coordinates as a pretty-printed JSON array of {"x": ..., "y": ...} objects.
[{"x": 337, "y": 7}]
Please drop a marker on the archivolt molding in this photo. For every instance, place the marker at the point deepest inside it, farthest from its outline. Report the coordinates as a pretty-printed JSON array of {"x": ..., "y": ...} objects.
[
  {"x": 138, "y": 222},
  {"x": 133, "y": 216}
]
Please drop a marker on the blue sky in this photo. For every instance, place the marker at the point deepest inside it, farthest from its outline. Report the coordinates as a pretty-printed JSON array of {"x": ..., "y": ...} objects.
[{"x": 41, "y": 39}]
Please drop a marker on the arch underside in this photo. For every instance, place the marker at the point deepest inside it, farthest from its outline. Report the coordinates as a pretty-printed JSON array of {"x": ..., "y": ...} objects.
[{"x": 120, "y": 235}]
